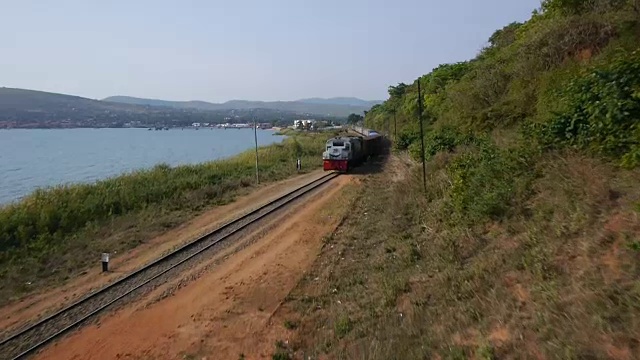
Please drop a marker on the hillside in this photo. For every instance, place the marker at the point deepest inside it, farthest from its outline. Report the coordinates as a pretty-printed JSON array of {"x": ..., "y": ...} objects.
[
  {"x": 339, "y": 107},
  {"x": 20, "y": 108},
  {"x": 41, "y": 101},
  {"x": 524, "y": 240}
]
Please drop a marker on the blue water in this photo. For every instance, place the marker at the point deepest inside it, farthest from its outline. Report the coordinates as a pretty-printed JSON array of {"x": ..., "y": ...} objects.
[{"x": 38, "y": 158}]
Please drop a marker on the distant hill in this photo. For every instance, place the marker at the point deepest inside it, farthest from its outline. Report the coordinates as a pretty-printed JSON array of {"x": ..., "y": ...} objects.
[
  {"x": 41, "y": 101},
  {"x": 20, "y": 108},
  {"x": 339, "y": 107},
  {"x": 138, "y": 101}
]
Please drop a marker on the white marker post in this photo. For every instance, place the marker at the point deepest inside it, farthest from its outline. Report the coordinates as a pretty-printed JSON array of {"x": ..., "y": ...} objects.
[{"x": 105, "y": 262}]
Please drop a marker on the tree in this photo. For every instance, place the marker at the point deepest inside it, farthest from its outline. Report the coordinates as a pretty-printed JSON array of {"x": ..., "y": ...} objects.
[
  {"x": 398, "y": 90},
  {"x": 578, "y": 7},
  {"x": 505, "y": 36},
  {"x": 354, "y": 119}
]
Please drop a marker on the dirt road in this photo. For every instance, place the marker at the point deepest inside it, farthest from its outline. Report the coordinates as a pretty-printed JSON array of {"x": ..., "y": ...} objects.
[{"x": 228, "y": 310}]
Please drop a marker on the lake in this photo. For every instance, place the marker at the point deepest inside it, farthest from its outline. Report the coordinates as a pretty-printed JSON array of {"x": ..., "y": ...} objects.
[{"x": 38, "y": 158}]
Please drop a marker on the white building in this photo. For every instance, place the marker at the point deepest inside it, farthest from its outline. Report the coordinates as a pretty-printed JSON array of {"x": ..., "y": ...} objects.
[{"x": 303, "y": 123}]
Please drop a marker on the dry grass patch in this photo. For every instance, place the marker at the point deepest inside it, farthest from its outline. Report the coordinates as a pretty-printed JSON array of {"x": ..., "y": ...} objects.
[{"x": 558, "y": 279}]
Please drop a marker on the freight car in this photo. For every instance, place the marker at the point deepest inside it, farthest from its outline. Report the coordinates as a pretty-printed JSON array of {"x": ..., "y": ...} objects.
[{"x": 345, "y": 152}]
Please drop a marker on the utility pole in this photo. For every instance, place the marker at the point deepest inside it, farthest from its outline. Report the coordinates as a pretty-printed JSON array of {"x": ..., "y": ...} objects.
[
  {"x": 424, "y": 170},
  {"x": 255, "y": 136}
]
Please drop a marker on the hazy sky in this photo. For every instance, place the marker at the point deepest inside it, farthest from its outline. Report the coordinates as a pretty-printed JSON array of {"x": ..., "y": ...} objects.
[{"x": 237, "y": 49}]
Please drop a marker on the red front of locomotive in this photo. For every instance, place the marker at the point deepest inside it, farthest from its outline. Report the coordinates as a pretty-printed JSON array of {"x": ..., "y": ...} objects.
[{"x": 336, "y": 165}]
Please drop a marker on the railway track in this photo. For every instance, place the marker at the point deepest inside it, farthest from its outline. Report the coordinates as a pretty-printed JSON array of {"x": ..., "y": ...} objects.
[{"x": 33, "y": 337}]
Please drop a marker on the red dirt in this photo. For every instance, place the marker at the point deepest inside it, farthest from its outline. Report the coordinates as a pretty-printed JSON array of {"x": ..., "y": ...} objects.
[
  {"x": 468, "y": 337},
  {"x": 616, "y": 352},
  {"x": 500, "y": 335},
  {"x": 18, "y": 313},
  {"x": 228, "y": 310},
  {"x": 611, "y": 259}
]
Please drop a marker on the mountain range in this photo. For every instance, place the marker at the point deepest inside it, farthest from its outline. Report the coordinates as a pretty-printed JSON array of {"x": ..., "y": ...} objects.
[
  {"x": 337, "y": 106},
  {"x": 20, "y": 108}
]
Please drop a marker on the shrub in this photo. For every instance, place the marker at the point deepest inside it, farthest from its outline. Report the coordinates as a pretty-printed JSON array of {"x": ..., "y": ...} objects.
[
  {"x": 342, "y": 326},
  {"x": 487, "y": 182},
  {"x": 406, "y": 137},
  {"x": 443, "y": 139},
  {"x": 602, "y": 112},
  {"x": 577, "y": 7}
]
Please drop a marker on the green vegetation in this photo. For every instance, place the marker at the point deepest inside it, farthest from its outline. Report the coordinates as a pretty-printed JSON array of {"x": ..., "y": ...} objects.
[
  {"x": 56, "y": 232},
  {"x": 342, "y": 326},
  {"x": 290, "y": 325},
  {"x": 602, "y": 111},
  {"x": 354, "y": 119},
  {"x": 525, "y": 243}
]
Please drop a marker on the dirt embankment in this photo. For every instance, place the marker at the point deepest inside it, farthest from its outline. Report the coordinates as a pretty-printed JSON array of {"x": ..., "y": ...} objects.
[{"x": 227, "y": 313}]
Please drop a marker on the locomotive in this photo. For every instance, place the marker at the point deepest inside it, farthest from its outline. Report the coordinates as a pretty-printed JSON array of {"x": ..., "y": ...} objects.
[{"x": 345, "y": 152}]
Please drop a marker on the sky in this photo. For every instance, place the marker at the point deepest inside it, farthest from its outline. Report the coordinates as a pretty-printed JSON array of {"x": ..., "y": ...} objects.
[{"x": 238, "y": 49}]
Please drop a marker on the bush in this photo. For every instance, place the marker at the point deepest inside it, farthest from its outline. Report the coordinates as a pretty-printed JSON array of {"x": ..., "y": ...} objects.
[
  {"x": 602, "y": 112},
  {"x": 406, "y": 137},
  {"x": 577, "y": 7},
  {"x": 487, "y": 183},
  {"x": 443, "y": 139}
]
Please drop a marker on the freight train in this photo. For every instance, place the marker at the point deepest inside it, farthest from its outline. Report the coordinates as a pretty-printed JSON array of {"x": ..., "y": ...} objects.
[{"x": 342, "y": 153}]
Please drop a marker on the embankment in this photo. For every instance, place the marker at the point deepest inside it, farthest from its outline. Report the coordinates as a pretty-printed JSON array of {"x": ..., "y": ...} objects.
[{"x": 54, "y": 234}]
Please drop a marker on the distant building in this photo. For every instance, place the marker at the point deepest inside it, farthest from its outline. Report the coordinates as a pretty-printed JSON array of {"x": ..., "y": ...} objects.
[{"x": 303, "y": 124}]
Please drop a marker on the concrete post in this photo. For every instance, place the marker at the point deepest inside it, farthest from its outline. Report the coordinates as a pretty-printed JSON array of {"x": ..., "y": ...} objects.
[{"x": 105, "y": 262}]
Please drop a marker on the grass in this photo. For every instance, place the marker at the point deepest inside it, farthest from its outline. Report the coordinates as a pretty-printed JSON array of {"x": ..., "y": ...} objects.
[
  {"x": 282, "y": 352},
  {"x": 553, "y": 277},
  {"x": 56, "y": 233},
  {"x": 290, "y": 325}
]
